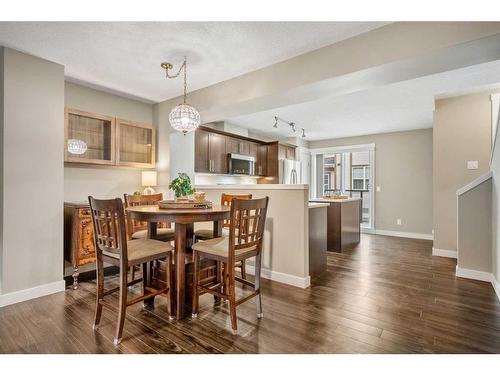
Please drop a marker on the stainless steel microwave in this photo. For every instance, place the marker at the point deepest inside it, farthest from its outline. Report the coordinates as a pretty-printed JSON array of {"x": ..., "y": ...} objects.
[{"x": 241, "y": 164}]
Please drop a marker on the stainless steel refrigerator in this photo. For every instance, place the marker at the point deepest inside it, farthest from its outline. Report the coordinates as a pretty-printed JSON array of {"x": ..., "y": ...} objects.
[{"x": 290, "y": 171}]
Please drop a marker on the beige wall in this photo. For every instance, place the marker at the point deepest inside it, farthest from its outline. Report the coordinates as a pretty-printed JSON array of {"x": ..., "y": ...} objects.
[
  {"x": 474, "y": 228},
  {"x": 33, "y": 140},
  {"x": 403, "y": 170},
  {"x": 462, "y": 132},
  {"x": 1, "y": 163},
  {"x": 286, "y": 241},
  {"x": 102, "y": 181}
]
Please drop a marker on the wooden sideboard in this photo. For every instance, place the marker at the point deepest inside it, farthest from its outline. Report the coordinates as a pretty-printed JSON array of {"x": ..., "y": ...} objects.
[{"x": 79, "y": 246}]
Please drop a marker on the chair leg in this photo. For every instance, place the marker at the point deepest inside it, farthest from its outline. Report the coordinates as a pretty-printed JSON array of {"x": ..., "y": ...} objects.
[
  {"x": 196, "y": 271},
  {"x": 100, "y": 291},
  {"x": 170, "y": 287},
  {"x": 232, "y": 299},
  {"x": 243, "y": 269},
  {"x": 122, "y": 305},
  {"x": 258, "y": 265},
  {"x": 218, "y": 279},
  {"x": 132, "y": 269}
]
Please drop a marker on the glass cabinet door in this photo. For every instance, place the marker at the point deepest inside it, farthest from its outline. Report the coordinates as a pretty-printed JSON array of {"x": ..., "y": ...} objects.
[
  {"x": 135, "y": 144},
  {"x": 90, "y": 137}
]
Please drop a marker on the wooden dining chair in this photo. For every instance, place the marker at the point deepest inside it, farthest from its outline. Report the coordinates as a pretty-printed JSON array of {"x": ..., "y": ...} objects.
[
  {"x": 139, "y": 229},
  {"x": 207, "y": 234},
  {"x": 246, "y": 231},
  {"x": 112, "y": 247}
]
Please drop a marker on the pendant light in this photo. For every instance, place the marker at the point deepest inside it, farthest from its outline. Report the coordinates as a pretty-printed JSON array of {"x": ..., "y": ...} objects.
[{"x": 183, "y": 117}]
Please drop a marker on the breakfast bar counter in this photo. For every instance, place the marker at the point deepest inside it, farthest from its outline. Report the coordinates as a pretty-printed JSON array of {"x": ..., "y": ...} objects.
[{"x": 343, "y": 222}]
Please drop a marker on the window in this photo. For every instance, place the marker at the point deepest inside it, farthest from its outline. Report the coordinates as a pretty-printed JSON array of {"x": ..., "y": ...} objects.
[
  {"x": 360, "y": 177},
  {"x": 326, "y": 181}
]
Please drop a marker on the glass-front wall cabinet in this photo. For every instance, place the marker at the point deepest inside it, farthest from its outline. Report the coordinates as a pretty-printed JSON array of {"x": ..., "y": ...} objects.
[
  {"x": 90, "y": 138},
  {"x": 135, "y": 144},
  {"x": 93, "y": 138}
]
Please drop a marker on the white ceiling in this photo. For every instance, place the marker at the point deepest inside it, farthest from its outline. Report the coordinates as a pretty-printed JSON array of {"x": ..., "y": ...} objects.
[
  {"x": 125, "y": 57},
  {"x": 403, "y": 106}
]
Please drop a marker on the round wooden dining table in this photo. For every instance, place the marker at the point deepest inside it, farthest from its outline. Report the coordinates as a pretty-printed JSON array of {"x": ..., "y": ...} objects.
[{"x": 184, "y": 220}]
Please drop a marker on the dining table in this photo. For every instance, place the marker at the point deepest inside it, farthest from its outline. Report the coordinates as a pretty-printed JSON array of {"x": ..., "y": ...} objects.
[{"x": 183, "y": 220}]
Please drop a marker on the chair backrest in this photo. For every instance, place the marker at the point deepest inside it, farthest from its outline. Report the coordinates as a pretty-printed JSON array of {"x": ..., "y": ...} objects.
[
  {"x": 226, "y": 199},
  {"x": 139, "y": 200},
  {"x": 108, "y": 219},
  {"x": 248, "y": 219}
]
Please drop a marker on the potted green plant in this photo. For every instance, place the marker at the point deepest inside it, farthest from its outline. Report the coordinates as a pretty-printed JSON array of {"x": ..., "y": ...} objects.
[{"x": 182, "y": 187}]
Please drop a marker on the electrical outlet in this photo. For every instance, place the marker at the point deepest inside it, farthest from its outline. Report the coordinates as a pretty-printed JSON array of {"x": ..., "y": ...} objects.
[
  {"x": 472, "y": 164},
  {"x": 398, "y": 221}
]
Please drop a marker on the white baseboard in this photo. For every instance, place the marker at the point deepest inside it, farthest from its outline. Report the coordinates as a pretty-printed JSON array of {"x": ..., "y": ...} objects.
[
  {"x": 472, "y": 274},
  {"x": 27, "y": 294},
  {"x": 301, "y": 282},
  {"x": 481, "y": 276},
  {"x": 444, "y": 253},
  {"x": 496, "y": 286},
  {"x": 418, "y": 236}
]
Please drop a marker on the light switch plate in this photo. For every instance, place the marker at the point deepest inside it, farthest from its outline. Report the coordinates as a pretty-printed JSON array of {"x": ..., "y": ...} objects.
[
  {"x": 472, "y": 164},
  {"x": 378, "y": 189}
]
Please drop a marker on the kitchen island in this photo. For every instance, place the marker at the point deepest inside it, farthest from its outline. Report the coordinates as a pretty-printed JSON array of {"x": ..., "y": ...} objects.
[
  {"x": 343, "y": 222},
  {"x": 286, "y": 238}
]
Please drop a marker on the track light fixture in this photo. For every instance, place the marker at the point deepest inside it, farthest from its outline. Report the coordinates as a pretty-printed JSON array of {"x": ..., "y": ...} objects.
[{"x": 289, "y": 123}]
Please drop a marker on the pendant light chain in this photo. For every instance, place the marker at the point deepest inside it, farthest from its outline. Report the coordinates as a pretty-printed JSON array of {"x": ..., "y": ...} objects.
[
  {"x": 185, "y": 79},
  {"x": 183, "y": 117}
]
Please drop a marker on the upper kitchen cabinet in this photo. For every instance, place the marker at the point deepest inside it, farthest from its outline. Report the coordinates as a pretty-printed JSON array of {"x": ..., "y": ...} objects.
[
  {"x": 210, "y": 152},
  {"x": 95, "y": 132},
  {"x": 259, "y": 152},
  {"x": 135, "y": 144},
  {"x": 237, "y": 146},
  {"x": 286, "y": 152}
]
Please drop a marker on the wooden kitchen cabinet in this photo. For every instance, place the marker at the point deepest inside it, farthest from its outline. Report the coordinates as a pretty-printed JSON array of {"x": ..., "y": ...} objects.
[
  {"x": 210, "y": 152},
  {"x": 217, "y": 153},
  {"x": 261, "y": 160},
  {"x": 237, "y": 146},
  {"x": 79, "y": 248},
  {"x": 135, "y": 146},
  {"x": 201, "y": 153},
  {"x": 98, "y": 133},
  {"x": 286, "y": 152}
]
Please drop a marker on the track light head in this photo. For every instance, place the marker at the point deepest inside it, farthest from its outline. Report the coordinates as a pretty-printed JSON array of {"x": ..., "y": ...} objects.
[
  {"x": 303, "y": 133},
  {"x": 275, "y": 122}
]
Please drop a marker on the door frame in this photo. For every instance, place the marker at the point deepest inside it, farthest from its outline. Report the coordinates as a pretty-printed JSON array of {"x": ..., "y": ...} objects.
[{"x": 370, "y": 147}]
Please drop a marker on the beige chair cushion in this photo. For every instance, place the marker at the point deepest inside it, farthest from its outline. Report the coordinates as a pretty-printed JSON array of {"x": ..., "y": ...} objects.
[
  {"x": 208, "y": 233},
  {"x": 204, "y": 233},
  {"x": 143, "y": 248},
  {"x": 160, "y": 233},
  {"x": 220, "y": 247}
]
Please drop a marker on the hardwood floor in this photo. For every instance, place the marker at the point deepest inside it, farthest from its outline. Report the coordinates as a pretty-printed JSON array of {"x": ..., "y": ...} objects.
[{"x": 388, "y": 295}]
